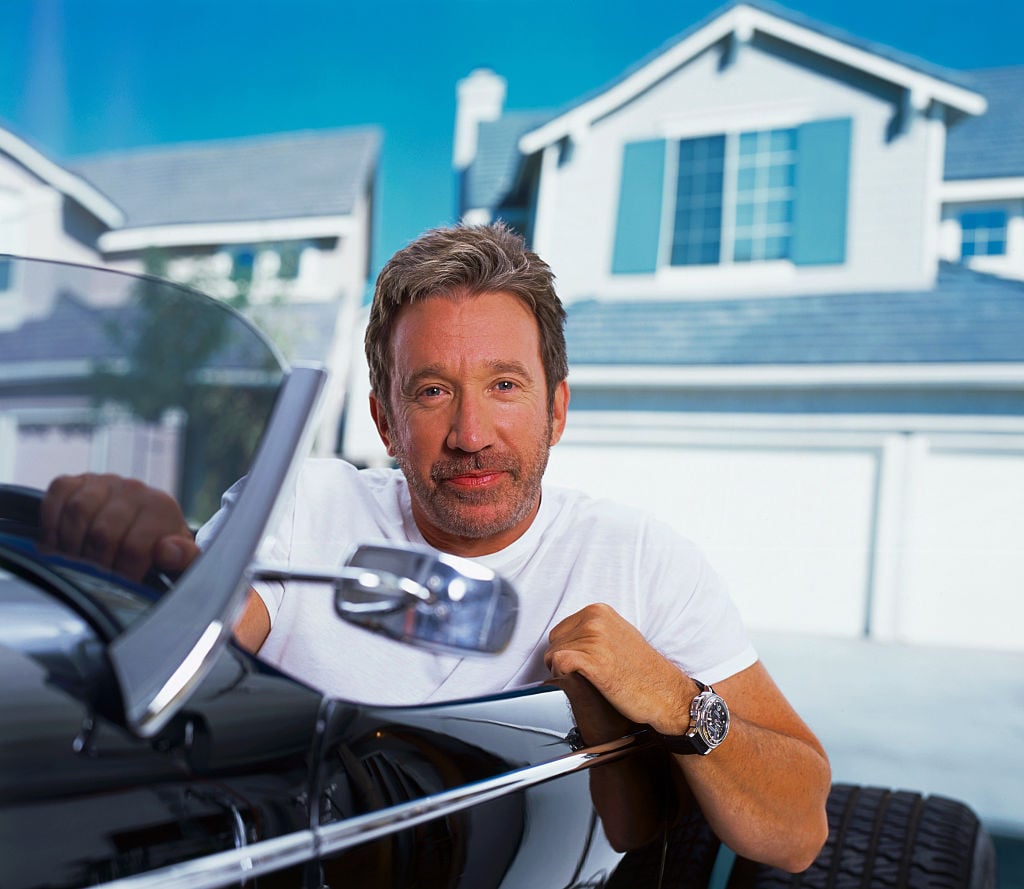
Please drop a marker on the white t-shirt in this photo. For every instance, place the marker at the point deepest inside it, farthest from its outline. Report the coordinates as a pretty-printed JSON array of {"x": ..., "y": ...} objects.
[{"x": 578, "y": 551}]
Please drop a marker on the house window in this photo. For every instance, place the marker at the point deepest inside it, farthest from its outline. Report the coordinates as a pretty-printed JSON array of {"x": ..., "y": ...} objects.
[
  {"x": 735, "y": 198},
  {"x": 289, "y": 256},
  {"x": 243, "y": 260},
  {"x": 765, "y": 176},
  {"x": 757, "y": 209},
  {"x": 697, "y": 228},
  {"x": 983, "y": 233}
]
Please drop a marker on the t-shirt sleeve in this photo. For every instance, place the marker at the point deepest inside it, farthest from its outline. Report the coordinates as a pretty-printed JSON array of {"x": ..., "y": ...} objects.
[{"x": 699, "y": 627}]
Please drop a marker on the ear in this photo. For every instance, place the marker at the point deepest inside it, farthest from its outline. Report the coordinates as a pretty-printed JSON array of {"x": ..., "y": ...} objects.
[
  {"x": 559, "y": 409},
  {"x": 380, "y": 420}
]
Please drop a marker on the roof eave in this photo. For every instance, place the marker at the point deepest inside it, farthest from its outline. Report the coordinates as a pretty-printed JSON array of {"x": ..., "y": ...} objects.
[
  {"x": 743, "y": 21},
  {"x": 61, "y": 179},
  {"x": 241, "y": 232},
  {"x": 967, "y": 375}
]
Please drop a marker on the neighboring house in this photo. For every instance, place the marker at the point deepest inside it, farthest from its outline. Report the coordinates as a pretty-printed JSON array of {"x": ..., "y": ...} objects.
[
  {"x": 280, "y": 224},
  {"x": 778, "y": 245}
]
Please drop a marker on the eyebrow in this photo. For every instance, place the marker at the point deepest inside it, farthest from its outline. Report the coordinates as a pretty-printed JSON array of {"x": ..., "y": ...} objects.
[{"x": 497, "y": 366}]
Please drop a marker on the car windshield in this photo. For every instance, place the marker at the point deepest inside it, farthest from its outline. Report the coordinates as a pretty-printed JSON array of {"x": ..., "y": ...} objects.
[{"x": 106, "y": 372}]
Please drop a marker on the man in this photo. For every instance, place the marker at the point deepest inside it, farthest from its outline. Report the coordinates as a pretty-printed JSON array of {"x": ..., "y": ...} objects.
[{"x": 468, "y": 374}]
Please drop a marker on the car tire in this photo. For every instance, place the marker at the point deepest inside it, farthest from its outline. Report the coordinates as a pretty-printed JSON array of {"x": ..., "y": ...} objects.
[{"x": 881, "y": 838}]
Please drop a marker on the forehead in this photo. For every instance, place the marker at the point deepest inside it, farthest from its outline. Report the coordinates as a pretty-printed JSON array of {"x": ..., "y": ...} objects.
[{"x": 463, "y": 326}]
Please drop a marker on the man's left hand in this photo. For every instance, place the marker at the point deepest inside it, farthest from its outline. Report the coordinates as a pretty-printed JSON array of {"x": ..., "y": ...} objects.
[{"x": 643, "y": 685}]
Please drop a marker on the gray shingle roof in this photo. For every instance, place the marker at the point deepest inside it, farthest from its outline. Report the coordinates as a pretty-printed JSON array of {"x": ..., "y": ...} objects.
[
  {"x": 492, "y": 174},
  {"x": 284, "y": 176},
  {"x": 968, "y": 317},
  {"x": 991, "y": 145}
]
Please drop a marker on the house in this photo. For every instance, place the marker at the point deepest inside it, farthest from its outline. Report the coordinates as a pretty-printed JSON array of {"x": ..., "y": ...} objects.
[
  {"x": 792, "y": 262},
  {"x": 280, "y": 225}
]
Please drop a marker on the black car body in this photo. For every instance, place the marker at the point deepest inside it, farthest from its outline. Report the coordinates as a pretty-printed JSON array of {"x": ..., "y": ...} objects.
[{"x": 139, "y": 747}]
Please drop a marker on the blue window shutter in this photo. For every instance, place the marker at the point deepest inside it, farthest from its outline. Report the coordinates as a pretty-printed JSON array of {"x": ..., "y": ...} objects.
[
  {"x": 822, "y": 186},
  {"x": 638, "y": 226}
]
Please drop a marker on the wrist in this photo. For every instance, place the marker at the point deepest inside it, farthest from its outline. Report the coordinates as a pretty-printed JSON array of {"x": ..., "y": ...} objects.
[
  {"x": 675, "y": 719},
  {"x": 708, "y": 724}
]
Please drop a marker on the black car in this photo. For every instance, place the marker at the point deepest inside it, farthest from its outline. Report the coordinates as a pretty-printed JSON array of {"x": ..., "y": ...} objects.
[{"x": 139, "y": 747}]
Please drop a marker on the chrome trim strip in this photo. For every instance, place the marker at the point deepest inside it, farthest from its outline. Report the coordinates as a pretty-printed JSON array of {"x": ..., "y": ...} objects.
[
  {"x": 353, "y": 831},
  {"x": 157, "y": 668},
  {"x": 229, "y": 867},
  {"x": 236, "y": 865}
]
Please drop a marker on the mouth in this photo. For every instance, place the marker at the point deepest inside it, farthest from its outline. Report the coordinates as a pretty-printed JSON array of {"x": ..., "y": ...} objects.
[
  {"x": 474, "y": 480},
  {"x": 471, "y": 475}
]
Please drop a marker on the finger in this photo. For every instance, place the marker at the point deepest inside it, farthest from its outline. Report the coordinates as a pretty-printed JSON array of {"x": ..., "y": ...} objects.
[
  {"x": 158, "y": 517},
  {"x": 78, "y": 511},
  {"x": 175, "y": 553},
  {"x": 109, "y": 526},
  {"x": 52, "y": 506}
]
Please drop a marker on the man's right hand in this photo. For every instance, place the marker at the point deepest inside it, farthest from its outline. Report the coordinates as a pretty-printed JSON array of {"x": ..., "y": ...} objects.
[{"x": 118, "y": 523}]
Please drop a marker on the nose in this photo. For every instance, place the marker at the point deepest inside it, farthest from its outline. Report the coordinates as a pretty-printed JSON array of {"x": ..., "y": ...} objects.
[{"x": 472, "y": 428}]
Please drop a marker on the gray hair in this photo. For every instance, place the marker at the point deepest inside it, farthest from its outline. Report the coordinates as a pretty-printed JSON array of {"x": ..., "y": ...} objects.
[{"x": 465, "y": 260}]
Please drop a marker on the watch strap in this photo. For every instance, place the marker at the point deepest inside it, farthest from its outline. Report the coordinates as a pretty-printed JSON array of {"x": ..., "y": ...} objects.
[{"x": 690, "y": 742}]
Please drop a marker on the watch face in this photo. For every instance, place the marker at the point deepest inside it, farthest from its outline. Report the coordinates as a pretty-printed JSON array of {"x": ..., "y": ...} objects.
[{"x": 714, "y": 722}]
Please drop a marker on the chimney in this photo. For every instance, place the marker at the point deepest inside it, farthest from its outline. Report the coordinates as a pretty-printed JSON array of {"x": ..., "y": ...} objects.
[{"x": 479, "y": 97}]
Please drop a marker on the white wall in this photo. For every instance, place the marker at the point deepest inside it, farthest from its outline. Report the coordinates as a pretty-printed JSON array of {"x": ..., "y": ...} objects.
[
  {"x": 907, "y": 528},
  {"x": 891, "y": 195},
  {"x": 31, "y": 218}
]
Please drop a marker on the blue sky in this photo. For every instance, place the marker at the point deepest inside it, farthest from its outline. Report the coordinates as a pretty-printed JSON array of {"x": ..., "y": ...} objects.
[{"x": 85, "y": 76}]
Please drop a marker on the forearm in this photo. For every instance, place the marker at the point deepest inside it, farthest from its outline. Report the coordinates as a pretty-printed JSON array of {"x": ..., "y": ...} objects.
[
  {"x": 629, "y": 794},
  {"x": 764, "y": 789},
  {"x": 763, "y": 793}
]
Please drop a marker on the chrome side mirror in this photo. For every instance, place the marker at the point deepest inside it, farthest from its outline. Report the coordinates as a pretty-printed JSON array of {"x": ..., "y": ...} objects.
[
  {"x": 429, "y": 600},
  {"x": 426, "y": 599}
]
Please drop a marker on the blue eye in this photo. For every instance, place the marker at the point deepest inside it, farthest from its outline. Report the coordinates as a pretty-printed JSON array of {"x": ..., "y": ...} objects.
[{"x": 506, "y": 386}]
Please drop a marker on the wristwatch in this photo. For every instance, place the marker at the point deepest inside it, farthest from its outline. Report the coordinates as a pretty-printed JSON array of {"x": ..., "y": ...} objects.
[{"x": 709, "y": 724}]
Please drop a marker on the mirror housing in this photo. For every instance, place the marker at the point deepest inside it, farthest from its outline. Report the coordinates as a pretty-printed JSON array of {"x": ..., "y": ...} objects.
[{"x": 426, "y": 599}]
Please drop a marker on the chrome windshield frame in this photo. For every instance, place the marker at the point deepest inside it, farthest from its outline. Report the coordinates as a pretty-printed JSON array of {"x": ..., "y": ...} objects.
[{"x": 168, "y": 651}]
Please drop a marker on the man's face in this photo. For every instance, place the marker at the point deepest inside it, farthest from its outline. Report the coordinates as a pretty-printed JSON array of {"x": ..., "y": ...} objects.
[{"x": 469, "y": 422}]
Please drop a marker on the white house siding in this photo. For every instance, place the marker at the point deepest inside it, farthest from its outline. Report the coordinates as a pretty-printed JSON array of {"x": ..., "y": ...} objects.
[
  {"x": 32, "y": 224},
  {"x": 897, "y": 529},
  {"x": 32, "y": 217},
  {"x": 891, "y": 200}
]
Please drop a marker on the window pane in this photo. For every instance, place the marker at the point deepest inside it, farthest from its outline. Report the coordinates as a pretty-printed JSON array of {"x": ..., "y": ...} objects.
[
  {"x": 697, "y": 226},
  {"x": 782, "y": 140},
  {"x": 746, "y": 179},
  {"x": 743, "y": 251},
  {"x": 983, "y": 233},
  {"x": 748, "y": 144},
  {"x": 289, "y": 257},
  {"x": 242, "y": 263},
  {"x": 779, "y": 211},
  {"x": 782, "y": 176},
  {"x": 764, "y": 185},
  {"x": 776, "y": 248}
]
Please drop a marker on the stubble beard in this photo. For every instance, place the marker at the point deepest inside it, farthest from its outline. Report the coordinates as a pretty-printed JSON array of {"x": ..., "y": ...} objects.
[{"x": 456, "y": 512}]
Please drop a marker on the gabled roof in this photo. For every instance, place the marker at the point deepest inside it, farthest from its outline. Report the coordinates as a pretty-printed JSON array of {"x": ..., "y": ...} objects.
[
  {"x": 742, "y": 20},
  {"x": 287, "y": 176},
  {"x": 990, "y": 146},
  {"x": 61, "y": 179},
  {"x": 967, "y": 318},
  {"x": 493, "y": 172}
]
